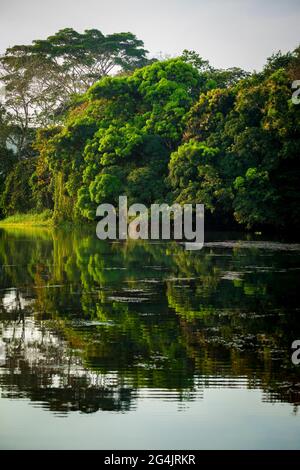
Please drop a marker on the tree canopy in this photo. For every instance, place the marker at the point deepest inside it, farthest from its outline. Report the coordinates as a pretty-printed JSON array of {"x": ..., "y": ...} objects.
[
  {"x": 43, "y": 78},
  {"x": 176, "y": 130}
]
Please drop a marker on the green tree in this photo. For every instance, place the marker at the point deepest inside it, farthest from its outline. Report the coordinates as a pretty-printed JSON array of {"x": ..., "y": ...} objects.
[
  {"x": 43, "y": 79},
  {"x": 17, "y": 194},
  {"x": 7, "y": 155},
  {"x": 122, "y": 134}
]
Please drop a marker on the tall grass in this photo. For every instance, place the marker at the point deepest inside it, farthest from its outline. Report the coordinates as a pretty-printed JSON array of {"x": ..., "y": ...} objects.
[{"x": 31, "y": 218}]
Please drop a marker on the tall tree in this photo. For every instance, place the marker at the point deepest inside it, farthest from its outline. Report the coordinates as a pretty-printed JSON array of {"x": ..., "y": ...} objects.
[{"x": 43, "y": 78}]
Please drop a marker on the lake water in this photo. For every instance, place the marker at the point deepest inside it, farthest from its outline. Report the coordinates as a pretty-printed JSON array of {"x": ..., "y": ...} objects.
[{"x": 145, "y": 345}]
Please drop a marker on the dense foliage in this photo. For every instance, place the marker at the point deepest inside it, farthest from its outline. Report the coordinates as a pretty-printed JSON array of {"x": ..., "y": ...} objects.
[
  {"x": 43, "y": 78},
  {"x": 176, "y": 130}
]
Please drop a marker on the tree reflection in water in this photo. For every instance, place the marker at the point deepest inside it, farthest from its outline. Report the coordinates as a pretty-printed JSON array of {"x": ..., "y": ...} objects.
[{"x": 88, "y": 325}]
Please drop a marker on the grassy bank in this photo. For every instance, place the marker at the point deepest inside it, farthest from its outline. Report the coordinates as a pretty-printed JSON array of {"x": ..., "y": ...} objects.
[{"x": 30, "y": 219}]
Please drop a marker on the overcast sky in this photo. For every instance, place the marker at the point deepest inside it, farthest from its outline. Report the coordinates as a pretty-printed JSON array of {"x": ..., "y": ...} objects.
[{"x": 227, "y": 32}]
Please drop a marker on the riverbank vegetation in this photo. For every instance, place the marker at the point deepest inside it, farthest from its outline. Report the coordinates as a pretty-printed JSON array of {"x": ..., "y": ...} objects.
[
  {"x": 72, "y": 135},
  {"x": 44, "y": 218}
]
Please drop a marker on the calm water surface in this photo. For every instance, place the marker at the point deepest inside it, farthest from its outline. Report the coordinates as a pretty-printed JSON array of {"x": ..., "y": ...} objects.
[{"x": 145, "y": 345}]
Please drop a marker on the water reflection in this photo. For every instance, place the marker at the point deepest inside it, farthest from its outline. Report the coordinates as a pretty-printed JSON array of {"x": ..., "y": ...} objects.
[{"x": 89, "y": 325}]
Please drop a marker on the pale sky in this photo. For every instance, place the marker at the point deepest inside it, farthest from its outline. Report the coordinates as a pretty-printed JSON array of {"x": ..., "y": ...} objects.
[{"x": 228, "y": 33}]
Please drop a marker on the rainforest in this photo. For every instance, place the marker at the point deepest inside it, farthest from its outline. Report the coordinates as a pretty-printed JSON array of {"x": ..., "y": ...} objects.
[{"x": 87, "y": 117}]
